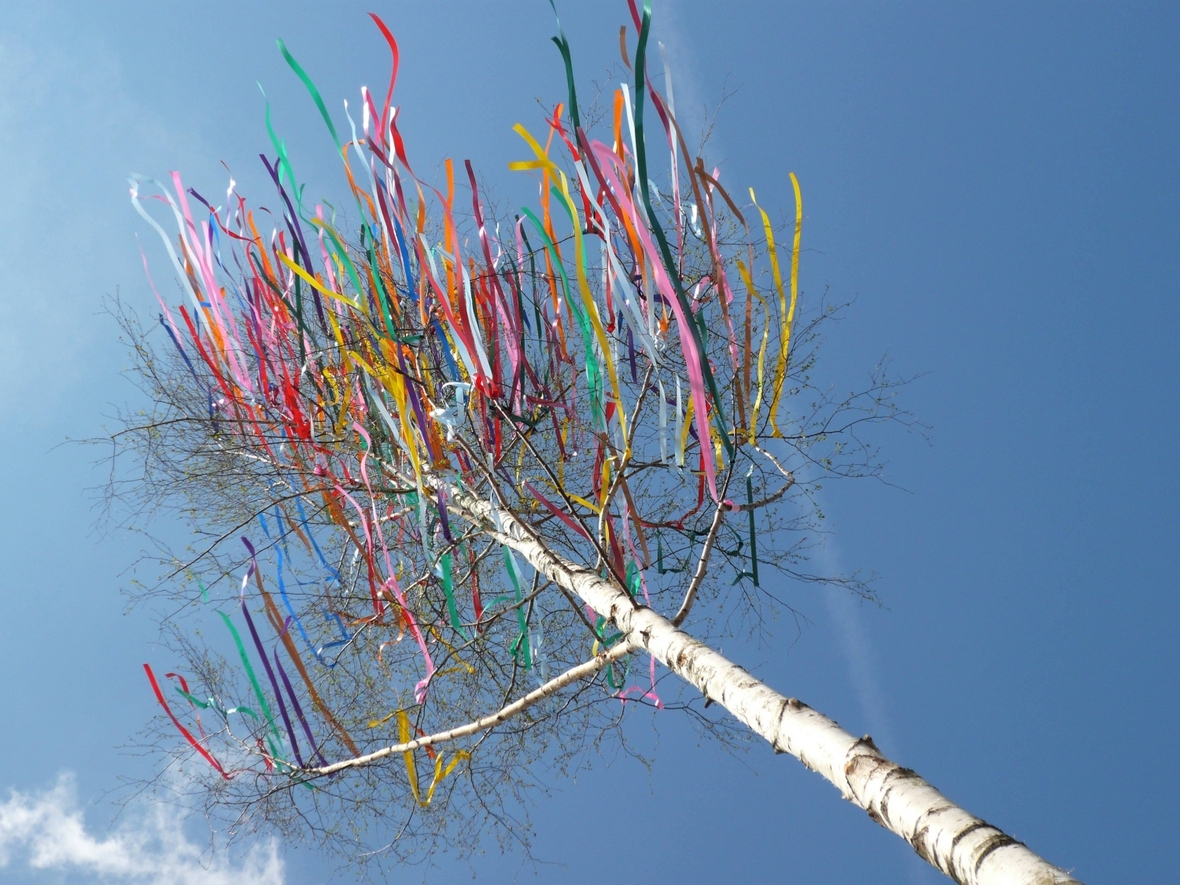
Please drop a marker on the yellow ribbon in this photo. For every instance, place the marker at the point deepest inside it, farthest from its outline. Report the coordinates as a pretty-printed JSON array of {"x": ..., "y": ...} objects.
[
  {"x": 788, "y": 314},
  {"x": 314, "y": 283},
  {"x": 745, "y": 273},
  {"x": 404, "y": 736}
]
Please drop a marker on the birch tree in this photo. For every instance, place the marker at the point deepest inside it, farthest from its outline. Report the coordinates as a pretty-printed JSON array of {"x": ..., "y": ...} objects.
[{"x": 467, "y": 486}]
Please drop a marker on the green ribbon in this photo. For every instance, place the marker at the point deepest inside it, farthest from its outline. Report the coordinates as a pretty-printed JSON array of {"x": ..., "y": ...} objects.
[
  {"x": 212, "y": 704},
  {"x": 383, "y": 298},
  {"x": 660, "y": 559},
  {"x": 274, "y": 749},
  {"x": 665, "y": 249},
  {"x": 753, "y": 542},
  {"x": 315, "y": 93},
  {"x": 564, "y": 47},
  {"x": 593, "y": 374},
  {"x": 520, "y": 646},
  {"x": 448, "y": 584}
]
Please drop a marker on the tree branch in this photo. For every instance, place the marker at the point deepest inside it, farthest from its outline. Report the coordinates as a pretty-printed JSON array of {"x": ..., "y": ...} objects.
[{"x": 574, "y": 674}]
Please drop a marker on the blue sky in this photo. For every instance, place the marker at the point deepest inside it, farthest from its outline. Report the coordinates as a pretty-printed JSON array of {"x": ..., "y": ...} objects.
[{"x": 994, "y": 184}]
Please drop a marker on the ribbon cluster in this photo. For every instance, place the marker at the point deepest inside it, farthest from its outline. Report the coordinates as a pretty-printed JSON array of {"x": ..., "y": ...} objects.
[{"x": 531, "y": 364}]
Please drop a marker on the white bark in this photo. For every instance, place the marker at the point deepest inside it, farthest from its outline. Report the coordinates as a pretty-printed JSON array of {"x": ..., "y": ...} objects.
[{"x": 961, "y": 845}]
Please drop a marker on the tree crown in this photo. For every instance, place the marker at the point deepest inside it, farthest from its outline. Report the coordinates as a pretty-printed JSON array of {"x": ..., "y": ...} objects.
[{"x": 360, "y": 419}]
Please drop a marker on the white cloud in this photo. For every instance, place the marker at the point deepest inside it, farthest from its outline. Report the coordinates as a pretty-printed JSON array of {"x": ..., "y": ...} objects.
[{"x": 46, "y": 831}]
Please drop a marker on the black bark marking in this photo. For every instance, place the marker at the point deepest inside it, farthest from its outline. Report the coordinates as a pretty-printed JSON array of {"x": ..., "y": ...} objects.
[
  {"x": 919, "y": 846},
  {"x": 788, "y": 704},
  {"x": 967, "y": 831},
  {"x": 894, "y": 774},
  {"x": 994, "y": 843},
  {"x": 918, "y": 840},
  {"x": 874, "y": 758},
  {"x": 885, "y": 801}
]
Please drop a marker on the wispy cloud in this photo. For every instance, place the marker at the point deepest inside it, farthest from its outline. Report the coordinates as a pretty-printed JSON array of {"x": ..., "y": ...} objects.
[
  {"x": 860, "y": 657},
  {"x": 47, "y": 831},
  {"x": 682, "y": 52},
  {"x": 856, "y": 646}
]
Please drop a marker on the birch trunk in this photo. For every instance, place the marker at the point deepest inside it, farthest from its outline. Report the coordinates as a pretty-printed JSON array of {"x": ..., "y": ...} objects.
[{"x": 964, "y": 847}]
